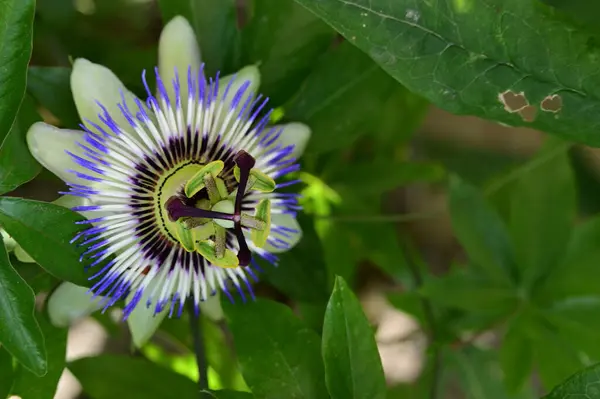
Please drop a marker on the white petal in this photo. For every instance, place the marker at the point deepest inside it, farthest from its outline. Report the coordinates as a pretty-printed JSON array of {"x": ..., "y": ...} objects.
[
  {"x": 48, "y": 144},
  {"x": 23, "y": 256},
  {"x": 211, "y": 308},
  {"x": 70, "y": 201},
  {"x": 292, "y": 238},
  {"x": 178, "y": 50},
  {"x": 294, "y": 133},
  {"x": 92, "y": 83},
  {"x": 9, "y": 242},
  {"x": 142, "y": 321},
  {"x": 69, "y": 303},
  {"x": 249, "y": 75}
]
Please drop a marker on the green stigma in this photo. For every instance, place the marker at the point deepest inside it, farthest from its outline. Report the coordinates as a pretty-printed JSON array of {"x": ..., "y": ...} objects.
[{"x": 201, "y": 209}]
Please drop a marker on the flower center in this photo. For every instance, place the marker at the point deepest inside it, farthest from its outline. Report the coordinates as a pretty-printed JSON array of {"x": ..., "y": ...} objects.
[{"x": 202, "y": 209}]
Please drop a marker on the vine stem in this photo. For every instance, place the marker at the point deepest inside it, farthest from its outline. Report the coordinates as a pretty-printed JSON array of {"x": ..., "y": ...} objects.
[{"x": 198, "y": 340}]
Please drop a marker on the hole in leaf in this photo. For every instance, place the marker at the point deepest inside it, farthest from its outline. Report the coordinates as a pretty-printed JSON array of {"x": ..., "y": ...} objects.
[
  {"x": 528, "y": 113},
  {"x": 513, "y": 102},
  {"x": 552, "y": 103}
]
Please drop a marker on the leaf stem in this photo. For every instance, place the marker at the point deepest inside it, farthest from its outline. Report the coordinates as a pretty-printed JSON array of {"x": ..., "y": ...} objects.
[{"x": 199, "y": 351}]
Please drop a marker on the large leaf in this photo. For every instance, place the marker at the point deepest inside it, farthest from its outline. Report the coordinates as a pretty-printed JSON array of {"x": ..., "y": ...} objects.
[
  {"x": 51, "y": 87},
  {"x": 556, "y": 357},
  {"x": 578, "y": 323},
  {"x": 16, "y": 24},
  {"x": 383, "y": 175},
  {"x": 543, "y": 211},
  {"x": 29, "y": 386},
  {"x": 20, "y": 333},
  {"x": 464, "y": 290},
  {"x": 505, "y": 60},
  {"x": 478, "y": 371},
  {"x": 114, "y": 376},
  {"x": 583, "y": 384},
  {"x": 582, "y": 10},
  {"x": 480, "y": 231},
  {"x": 215, "y": 24},
  {"x": 17, "y": 165},
  {"x": 285, "y": 57},
  {"x": 301, "y": 272},
  {"x": 578, "y": 271},
  {"x": 278, "y": 354},
  {"x": 516, "y": 353},
  {"x": 7, "y": 372},
  {"x": 352, "y": 363},
  {"x": 44, "y": 231},
  {"x": 341, "y": 99}
]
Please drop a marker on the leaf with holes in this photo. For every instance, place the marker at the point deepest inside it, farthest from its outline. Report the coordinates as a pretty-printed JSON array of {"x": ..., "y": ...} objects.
[
  {"x": 506, "y": 60},
  {"x": 583, "y": 384}
]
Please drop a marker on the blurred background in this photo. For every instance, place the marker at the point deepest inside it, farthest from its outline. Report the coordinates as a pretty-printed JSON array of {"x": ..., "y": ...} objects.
[{"x": 374, "y": 194}]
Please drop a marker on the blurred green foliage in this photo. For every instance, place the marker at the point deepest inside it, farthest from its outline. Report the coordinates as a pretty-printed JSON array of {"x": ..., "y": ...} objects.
[{"x": 528, "y": 227}]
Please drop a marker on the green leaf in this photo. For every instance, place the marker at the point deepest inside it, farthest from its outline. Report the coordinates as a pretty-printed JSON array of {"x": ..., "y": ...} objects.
[
  {"x": 576, "y": 320},
  {"x": 16, "y": 24},
  {"x": 37, "y": 278},
  {"x": 228, "y": 394},
  {"x": 478, "y": 372},
  {"x": 583, "y": 10},
  {"x": 352, "y": 363},
  {"x": 277, "y": 353},
  {"x": 17, "y": 165},
  {"x": 215, "y": 24},
  {"x": 556, "y": 357},
  {"x": 51, "y": 88},
  {"x": 578, "y": 272},
  {"x": 7, "y": 372},
  {"x": 29, "y": 386},
  {"x": 384, "y": 175},
  {"x": 583, "y": 384},
  {"x": 480, "y": 231},
  {"x": 44, "y": 231},
  {"x": 341, "y": 99},
  {"x": 219, "y": 354},
  {"x": 466, "y": 161},
  {"x": 472, "y": 57},
  {"x": 19, "y": 332},
  {"x": 115, "y": 376},
  {"x": 543, "y": 211},
  {"x": 302, "y": 273},
  {"x": 516, "y": 353},
  {"x": 381, "y": 245},
  {"x": 464, "y": 290},
  {"x": 339, "y": 250},
  {"x": 285, "y": 57}
]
